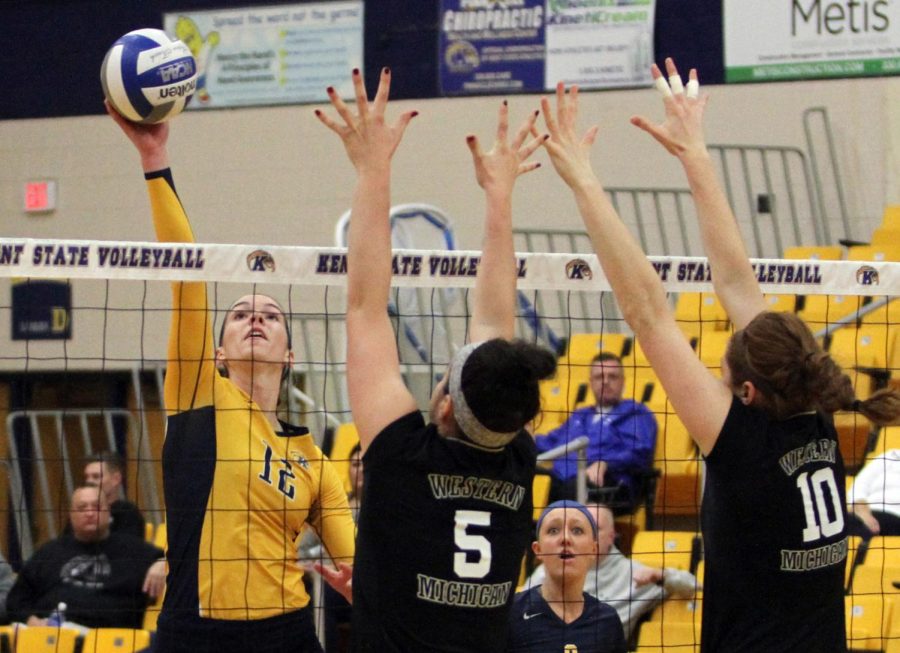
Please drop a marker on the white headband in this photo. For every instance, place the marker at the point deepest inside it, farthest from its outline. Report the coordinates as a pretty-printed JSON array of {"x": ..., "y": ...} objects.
[{"x": 465, "y": 418}]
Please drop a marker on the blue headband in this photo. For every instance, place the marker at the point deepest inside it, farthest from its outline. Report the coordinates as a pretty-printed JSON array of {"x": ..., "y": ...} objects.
[{"x": 566, "y": 503}]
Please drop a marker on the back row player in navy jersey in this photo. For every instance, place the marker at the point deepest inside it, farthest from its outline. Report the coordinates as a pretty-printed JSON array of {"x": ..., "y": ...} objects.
[
  {"x": 447, "y": 515},
  {"x": 772, "y": 517}
]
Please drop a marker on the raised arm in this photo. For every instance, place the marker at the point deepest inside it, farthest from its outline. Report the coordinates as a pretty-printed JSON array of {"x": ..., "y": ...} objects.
[
  {"x": 378, "y": 395},
  {"x": 635, "y": 284},
  {"x": 494, "y": 299},
  {"x": 681, "y": 133},
  {"x": 191, "y": 370}
]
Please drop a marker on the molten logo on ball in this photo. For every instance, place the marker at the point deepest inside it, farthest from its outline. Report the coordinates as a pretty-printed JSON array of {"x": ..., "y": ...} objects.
[{"x": 148, "y": 77}]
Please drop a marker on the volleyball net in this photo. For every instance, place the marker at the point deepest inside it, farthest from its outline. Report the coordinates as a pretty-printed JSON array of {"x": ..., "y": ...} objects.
[{"x": 79, "y": 318}]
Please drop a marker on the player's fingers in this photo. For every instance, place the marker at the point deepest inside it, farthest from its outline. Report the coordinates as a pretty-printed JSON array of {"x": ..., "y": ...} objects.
[
  {"x": 675, "y": 82},
  {"x": 650, "y": 128},
  {"x": 474, "y": 146},
  {"x": 573, "y": 104},
  {"x": 549, "y": 119},
  {"x": 341, "y": 107},
  {"x": 503, "y": 122},
  {"x": 403, "y": 122},
  {"x": 693, "y": 85},
  {"x": 359, "y": 90},
  {"x": 383, "y": 92},
  {"x": 328, "y": 122},
  {"x": 527, "y": 127},
  {"x": 532, "y": 145},
  {"x": 528, "y": 167},
  {"x": 561, "y": 107},
  {"x": 591, "y": 135}
]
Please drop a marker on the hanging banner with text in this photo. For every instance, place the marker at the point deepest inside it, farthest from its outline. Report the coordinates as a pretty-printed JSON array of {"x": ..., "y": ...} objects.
[
  {"x": 499, "y": 46},
  {"x": 770, "y": 40},
  {"x": 283, "y": 54}
]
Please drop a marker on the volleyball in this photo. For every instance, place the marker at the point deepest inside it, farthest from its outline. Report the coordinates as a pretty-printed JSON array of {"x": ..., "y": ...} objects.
[{"x": 148, "y": 77}]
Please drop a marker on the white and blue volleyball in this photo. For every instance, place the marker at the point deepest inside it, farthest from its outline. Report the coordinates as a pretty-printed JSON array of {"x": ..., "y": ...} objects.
[{"x": 148, "y": 77}]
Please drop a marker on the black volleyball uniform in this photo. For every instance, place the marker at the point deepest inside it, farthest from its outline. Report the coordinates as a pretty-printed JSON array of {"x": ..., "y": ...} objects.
[
  {"x": 442, "y": 531},
  {"x": 535, "y": 628},
  {"x": 774, "y": 536}
]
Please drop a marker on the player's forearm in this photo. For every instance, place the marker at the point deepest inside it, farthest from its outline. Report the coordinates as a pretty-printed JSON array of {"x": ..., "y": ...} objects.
[
  {"x": 732, "y": 274},
  {"x": 169, "y": 218},
  {"x": 494, "y": 301},
  {"x": 634, "y": 282},
  {"x": 369, "y": 244}
]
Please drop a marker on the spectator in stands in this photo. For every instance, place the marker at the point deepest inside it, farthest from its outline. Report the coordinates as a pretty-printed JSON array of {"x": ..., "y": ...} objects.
[
  {"x": 874, "y": 498},
  {"x": 7, "y": 577},
  {"x": 98, "y": 574},
  {"x": 337, "y": 610},
  {"x": 629, "y": 586},
  {"x": 557, "y": 614},
  {"x": 622, "y": 434},
  {"x": 106, "y": 471}
]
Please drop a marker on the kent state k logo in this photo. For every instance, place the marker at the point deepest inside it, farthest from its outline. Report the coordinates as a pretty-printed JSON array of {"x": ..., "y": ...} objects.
[
  {"x": 260, "y": 261},
  {"x": 867, "y": 276},
  {"x": 578, "y": 268}
]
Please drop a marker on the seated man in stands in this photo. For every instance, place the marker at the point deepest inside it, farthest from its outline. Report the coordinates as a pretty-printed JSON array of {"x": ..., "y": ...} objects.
[
  {"x": 622, "y": 434},
  {"x": 105, "y": 470},
  {"x": 874, "y": 498},
  {"x": 99, "y": 575},
  {"x": 627, "y": 585}
]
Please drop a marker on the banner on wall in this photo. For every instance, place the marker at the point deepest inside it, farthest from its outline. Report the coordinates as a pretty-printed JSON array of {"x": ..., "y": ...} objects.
[
  {"x": 770, "y": 40},
  {"x": 271, "y": 55},
  {"x": 495, "y": 46}
]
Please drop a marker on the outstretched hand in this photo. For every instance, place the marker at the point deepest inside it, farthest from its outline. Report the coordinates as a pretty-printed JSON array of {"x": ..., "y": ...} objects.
[
  {"x": 149, "y": 140},
  {"x": 369, "y": 141},
  {"x": 340, "y": 579},
  {"x": 570, "y": 155},
  {"x": 681, "y": 132},
  {"x": 498, "y": 168}
]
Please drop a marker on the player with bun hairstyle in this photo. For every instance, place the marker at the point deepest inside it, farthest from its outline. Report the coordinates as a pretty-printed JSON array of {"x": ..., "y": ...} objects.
[
  {"x": 447, "y": 515},
  {"x": 240, "y": 484},
  {"x": 775, "y": 544}
]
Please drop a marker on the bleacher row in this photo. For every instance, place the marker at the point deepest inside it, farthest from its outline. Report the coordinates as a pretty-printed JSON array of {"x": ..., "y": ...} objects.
[
  {"x": 52, "y": 639},
  {"x": 872, "y": 602}
]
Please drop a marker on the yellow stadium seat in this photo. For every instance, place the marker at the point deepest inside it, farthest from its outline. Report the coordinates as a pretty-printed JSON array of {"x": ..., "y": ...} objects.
[
  {"x": 540, "y": 490},
  {"x": 891, "y": 216},
  {"x": 584, "y": 346},
  {"x": 345, "y": 439},
  {"x": 876, "y": 253},
  {"x": 886, "y": 236},
  {"x": 853, "y": 542},
  {"x": 781, "y": 303},
  {"x": 160, "y": 536},
  {"x": 115, "y": 640},
  {"x": 658, "y": 636},
  {"x": 698, "y": 313},
  {"x": 149, "y": 528},
  {"x": 864, "y": 354},
  {"x": 554, "y": 406},
  {"x": 664, "y": 548},
  {"x": 875, "y": 580},
  {"x": 46, "y": 639},
  {"x": 816, "y": 252},
  {"x": 888, "y": 438},
  {"x": 678, "y": 490},
  {"x": 820, "y": 311},
  {"x": 883, "y": 551},
  {"x": 867, "y": 618},
  {"x": 679, "y": 611},
  {"x": 673, "y": 442},
  {"x": 711, "y": 346}
]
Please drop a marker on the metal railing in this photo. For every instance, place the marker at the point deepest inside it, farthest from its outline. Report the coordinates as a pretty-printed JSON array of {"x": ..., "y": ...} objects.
[
  {"x": 46, "y": 428},
  {"x": 577, "y": 446}
]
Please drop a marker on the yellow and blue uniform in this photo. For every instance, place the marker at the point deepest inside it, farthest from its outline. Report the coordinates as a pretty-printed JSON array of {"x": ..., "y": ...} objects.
[{"x": 237, "y": 491}]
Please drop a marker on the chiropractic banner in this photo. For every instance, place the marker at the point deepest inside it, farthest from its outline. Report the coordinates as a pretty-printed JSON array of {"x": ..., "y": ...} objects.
[
  {"x": 769, "y": 40},
  {"x": 498, "y": 46}
]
